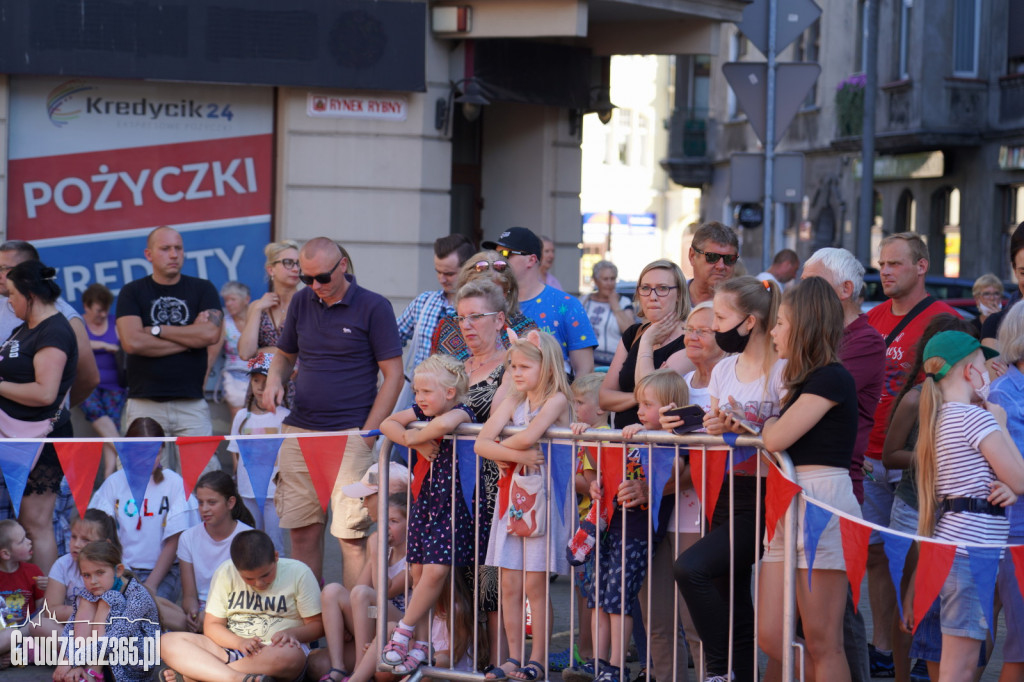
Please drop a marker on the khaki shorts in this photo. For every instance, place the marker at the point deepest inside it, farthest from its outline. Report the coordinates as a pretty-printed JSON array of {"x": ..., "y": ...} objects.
[{"x": 296, "y": 501}]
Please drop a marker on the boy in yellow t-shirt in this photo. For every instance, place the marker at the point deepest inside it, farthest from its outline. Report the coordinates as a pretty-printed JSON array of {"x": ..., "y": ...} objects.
[{"x": 261, "y": 613}]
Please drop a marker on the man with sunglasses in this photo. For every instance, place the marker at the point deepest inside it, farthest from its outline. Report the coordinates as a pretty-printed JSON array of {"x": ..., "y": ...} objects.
[
  {"x": 713, "y": 255},
  {"x": 554, "y": 311},
  {"x": 166, "y": 321},
  {"x": 344, "y": 336}
]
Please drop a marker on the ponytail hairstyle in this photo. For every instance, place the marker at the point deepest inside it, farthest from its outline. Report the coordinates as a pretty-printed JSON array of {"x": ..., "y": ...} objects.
[
  {"x": 222, "y": 484},
  {"x": 35, "y": 281},
  {"x": 449, "y": 372},
  {"x": 106, "y": 525},
  {"x": 751, "y": 296},
  {"x": 147, "y": 427},
  {"x": 928, "y": 421},
  {"x": 816, "y": 330}
]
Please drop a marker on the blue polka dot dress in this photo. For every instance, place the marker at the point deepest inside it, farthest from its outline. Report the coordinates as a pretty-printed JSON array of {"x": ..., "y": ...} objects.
[{"x": 430, "y": 521}]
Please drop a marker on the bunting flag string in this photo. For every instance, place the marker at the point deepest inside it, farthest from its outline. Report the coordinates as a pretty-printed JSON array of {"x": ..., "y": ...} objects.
[
  {"x": 1017, "y": 554},
  {"x": 896, "y": 548},
  {"x": 927, "y": 584},
  {"x": 779, "y": 492},
  {"x": 561, "y": 461},
  {"x": 195, "y": 453},
  {"x": 855, "y": 551},
  {"x": 80, "y": 463},
  {"x": 984, "y": 565},
  {"x": 707, "y": 470},
  {"x": 323, "y": 459},
  {"x": 259, "y": 456},
  {"x": 16, "y": 461},
  {"x": 138, "y": 458},
  {"x": 465, "y": 459},
  {"x": 816, "y": 520}
]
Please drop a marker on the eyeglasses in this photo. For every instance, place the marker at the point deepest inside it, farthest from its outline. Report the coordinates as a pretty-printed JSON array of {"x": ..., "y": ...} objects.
[
  {"x": 699, "y": 331},
  {"x": 711, "y": 257},
  {"x": 662, "y": 290},
  {"x": 4, "y": 269},
  {"x": 484, "y": 266},
  {"x": 471, "y": 320},
  {"x": 323, "y": 277},
  {"x": 287, "y": 262},
  {"x": 506, "y": 252},
  {"x": 984, "y": 294}
]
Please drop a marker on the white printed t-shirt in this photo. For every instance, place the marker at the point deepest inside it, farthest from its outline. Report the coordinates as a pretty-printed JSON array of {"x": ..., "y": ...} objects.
[
  {"x": 143, "y": 528},
  {"x": 256, "y": 424},
  {"x": 205, "y": 554},
  {"x": 65, "y": 571},
  {"x": 293, "y": 596}
]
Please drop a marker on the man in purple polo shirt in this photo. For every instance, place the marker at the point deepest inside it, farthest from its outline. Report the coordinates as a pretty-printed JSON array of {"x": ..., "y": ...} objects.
[{"x": 343, "y": 335}]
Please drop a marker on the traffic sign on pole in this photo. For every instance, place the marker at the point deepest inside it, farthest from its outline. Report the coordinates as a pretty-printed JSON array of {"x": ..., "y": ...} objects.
[
  {"x": 794, "y": 16},
  {"x": 788, "y": 180},
  {"x": 746, "y": 178},
  {"x": 749, "y": 81}
]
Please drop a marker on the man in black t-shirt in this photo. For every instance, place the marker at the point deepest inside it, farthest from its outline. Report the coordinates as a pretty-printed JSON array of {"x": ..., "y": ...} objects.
[{"x": 166, "y": 321}]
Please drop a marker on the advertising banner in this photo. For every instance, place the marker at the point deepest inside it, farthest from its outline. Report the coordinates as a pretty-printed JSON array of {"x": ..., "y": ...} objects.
[{"x": 95, "y": 165}]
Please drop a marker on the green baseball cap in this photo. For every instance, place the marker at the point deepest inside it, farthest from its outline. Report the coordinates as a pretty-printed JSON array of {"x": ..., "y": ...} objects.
[{"x": 953, "y": 346}]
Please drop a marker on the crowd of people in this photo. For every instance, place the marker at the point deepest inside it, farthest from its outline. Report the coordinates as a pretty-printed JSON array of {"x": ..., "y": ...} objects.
[{"x": 889, "y": 415}]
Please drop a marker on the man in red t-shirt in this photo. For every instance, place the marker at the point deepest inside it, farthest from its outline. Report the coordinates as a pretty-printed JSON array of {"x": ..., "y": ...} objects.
[{"x": 903, "y": 263}]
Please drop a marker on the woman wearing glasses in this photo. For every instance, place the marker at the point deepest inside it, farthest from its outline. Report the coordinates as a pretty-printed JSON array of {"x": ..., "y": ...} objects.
[
  {"x": 489, "y": 265},
  {"x": 654, "y": 343},
  {"x": 610, "y": 314}
]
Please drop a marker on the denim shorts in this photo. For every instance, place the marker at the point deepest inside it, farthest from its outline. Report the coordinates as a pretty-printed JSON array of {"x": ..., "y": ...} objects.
[
  {"x": 960, "y": 609},
  {"x": 1013, "y": 605},
  {"x": 903, "y": 518},
  {"x": 878, "y": 497},
  {"x": 927, "y": 642}
]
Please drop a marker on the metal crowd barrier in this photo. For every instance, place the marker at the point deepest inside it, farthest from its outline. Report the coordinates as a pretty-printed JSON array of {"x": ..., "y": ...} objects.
[{"x": 689, "y": 444}]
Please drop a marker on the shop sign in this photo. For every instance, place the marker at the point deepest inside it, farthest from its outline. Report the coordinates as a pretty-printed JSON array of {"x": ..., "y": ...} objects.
[
  {"x": 95, "y": 165},
  {"x": 381, "y": 108},
  {"x": 1011, "y": 158},
  {"x": 906, "y": 166}
]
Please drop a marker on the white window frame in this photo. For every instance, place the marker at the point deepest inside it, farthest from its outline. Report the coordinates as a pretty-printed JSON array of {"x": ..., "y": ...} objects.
[{"x": 973, "y": 72}]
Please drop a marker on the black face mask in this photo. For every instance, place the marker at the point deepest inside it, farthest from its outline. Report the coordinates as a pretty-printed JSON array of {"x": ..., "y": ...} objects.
[{"x": 732, "y": 341}]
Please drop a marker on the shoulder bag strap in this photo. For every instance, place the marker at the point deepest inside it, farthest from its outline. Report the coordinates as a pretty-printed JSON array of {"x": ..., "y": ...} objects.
[{"x": 908, "y": 318}]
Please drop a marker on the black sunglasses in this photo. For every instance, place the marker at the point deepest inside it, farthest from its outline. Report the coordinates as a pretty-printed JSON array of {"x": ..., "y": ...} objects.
[
  {"x": 323, "y": 277},
  {"x": 711, "y": 258}
]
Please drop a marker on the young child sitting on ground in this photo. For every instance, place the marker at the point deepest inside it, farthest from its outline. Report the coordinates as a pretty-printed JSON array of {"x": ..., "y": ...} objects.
[
  {"x": 261, "y": 614},
  {"x": 20, "y": 593}
]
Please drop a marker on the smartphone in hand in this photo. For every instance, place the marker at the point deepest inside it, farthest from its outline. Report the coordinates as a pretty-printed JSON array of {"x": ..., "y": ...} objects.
[
  {"x": 692, "y": 416},
  {"x": 741, "y": 420}
]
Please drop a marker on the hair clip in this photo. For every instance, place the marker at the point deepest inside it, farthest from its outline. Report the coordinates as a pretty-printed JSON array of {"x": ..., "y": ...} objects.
[
  {"x": 767, "y": 284},
  {"x": 930, "y": 375}
]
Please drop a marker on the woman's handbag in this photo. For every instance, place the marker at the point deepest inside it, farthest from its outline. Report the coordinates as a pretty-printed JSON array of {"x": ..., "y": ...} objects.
[
  {"x": 527, "y": 503},
  {"x": 10, "y": 427}
]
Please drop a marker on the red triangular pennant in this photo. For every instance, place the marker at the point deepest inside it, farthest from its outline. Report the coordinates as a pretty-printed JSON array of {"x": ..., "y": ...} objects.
[
  {"x": 80, "y": 462},
  {"x": 420, "y": 471},
  {"x": 323, "y": 459},
  {"x": 779, "y": 491},
  {"x": 714, "y": 476},
  {"x": 195, "y": 452},
  {"x": 504, "y": 484},
  {"x": 1017, "y": 552},
  {"x": 610, "y": 464},
  {"x": 933, "y": 564},
  {"x": 855, "y": 551}
]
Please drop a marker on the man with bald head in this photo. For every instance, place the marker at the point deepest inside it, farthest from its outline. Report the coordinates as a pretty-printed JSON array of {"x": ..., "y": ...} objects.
[
  {"x": 343, "y": 335},
  {"x": 165, "y": 322}
]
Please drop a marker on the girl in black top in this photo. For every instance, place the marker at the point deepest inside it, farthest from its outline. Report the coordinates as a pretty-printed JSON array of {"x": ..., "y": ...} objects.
[
  {"x": 37, "y": 366},
  {"x": 657, "y": 342},
  {"x": 818, "y": 427}
]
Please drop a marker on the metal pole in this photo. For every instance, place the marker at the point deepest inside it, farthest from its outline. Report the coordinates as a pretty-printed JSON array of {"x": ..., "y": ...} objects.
[
  {"x": 769, "y": 141},
  {"x": 866, "y": 212}
]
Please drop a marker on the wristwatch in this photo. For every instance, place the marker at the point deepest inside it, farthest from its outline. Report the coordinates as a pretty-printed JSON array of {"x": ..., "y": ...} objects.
[{"x": 156, "y": 330}]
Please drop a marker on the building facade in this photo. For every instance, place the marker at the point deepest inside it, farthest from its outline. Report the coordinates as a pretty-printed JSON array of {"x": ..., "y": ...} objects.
[
  {"x": 384, "y": 125},
  {"x": 949, "y": 130}
]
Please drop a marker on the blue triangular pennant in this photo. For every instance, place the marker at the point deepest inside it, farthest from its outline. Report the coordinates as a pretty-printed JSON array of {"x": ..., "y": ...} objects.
[
  {"x": 660, "y": 472},
  {"x": 137, "y": 459},
  {"x": 259, "y": 455},
  {"x": 465, "y": 458},
  {"x": 16, "y": 462},
  {"x": 896, "y": 548},
  {"x": 815, "y": 520},
  {"x": 400, "y": 453},
  {"x": 562, "y": 460},
  {"x": 984, "y": 563}
]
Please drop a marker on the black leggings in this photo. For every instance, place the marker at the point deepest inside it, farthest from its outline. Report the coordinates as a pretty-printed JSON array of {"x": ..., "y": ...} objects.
[{"x": 702, "y": 574}]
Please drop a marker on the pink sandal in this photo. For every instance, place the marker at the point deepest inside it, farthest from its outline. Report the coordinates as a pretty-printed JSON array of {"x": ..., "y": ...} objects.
[
  {"x": 411, "y": 660},
  {"x": 395, "y": 652}
]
